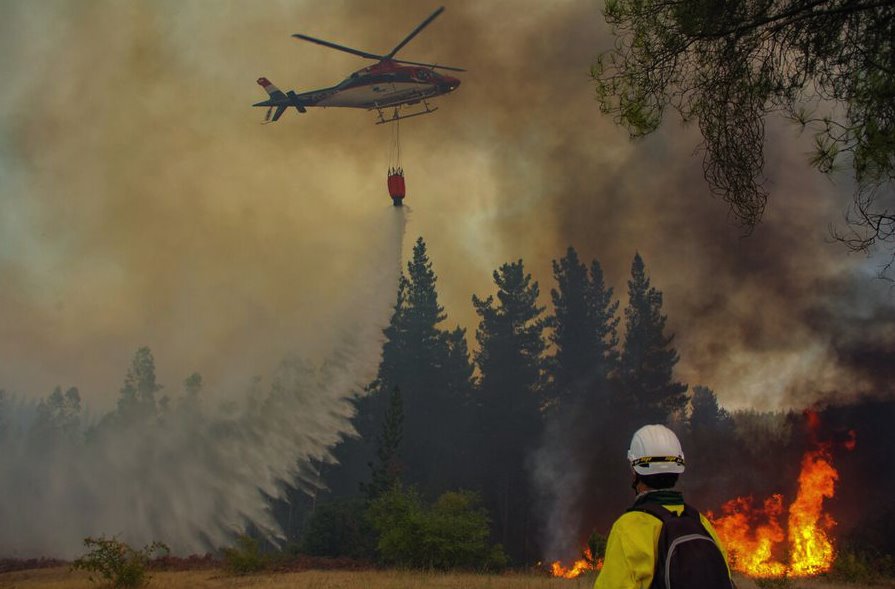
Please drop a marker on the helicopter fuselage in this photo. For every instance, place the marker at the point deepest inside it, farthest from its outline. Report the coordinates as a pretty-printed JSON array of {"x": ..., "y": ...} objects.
[{"x": 382, "y": 85}]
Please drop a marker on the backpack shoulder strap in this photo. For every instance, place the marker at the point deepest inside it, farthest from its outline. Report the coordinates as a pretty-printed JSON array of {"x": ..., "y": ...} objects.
[
  {"x": 656, "y": 510},
  {"x": 691, "y": 511}
]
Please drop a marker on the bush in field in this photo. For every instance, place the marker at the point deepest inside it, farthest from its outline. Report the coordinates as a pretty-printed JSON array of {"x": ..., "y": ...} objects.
[
  {"x": 862, "y": 566},
  {"x": 245, "y": 557},
  {"x": 117, "y": 563},
  {"x": 452, "y": 533},
  {"x": 340, "y": 528},
  {"x": 596, "y": 543},
  {"x": 779, "y": 583}
]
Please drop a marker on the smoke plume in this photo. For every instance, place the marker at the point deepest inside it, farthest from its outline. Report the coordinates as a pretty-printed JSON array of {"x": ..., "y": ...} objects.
[
  {"x": 198, "y": 475},
  {"x": 142, "y": 204}
]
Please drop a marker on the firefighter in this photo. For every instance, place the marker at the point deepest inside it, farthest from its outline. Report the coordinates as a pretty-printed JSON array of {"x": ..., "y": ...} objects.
[{"x": 637, "y": 550}]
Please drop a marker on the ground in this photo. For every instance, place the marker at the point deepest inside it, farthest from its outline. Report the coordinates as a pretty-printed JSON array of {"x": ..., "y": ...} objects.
[{"x": 62, "y": 578}]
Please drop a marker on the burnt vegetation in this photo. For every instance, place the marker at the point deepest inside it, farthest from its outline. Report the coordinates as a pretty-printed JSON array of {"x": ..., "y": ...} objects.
[{"x": 513, "y": 452}]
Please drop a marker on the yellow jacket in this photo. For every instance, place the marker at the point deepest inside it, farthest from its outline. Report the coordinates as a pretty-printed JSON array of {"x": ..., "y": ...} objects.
[{"x": 631, "y": 550}]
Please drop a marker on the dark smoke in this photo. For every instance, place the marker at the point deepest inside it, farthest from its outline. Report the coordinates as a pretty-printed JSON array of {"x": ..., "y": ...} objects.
[{"x": 141, "y": 203}]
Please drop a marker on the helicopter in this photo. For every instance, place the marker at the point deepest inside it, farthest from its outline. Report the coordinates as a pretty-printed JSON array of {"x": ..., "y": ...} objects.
[{"x": 388, "y": 84}]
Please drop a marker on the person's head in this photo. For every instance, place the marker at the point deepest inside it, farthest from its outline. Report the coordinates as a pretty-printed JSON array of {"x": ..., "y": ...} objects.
[{"x": 656, "y": 457}]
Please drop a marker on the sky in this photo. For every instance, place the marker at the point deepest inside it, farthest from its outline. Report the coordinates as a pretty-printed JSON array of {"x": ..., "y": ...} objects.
[{"x": 142, "y": 203}]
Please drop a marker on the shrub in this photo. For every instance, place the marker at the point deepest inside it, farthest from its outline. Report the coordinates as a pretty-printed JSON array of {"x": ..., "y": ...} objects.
[
  {"x": 340, "y": 528},
  {"x": 852, "y": 566},
  {"x": 778, "y": 583},
  {"x": 453, "y": 533},
  {"x": 245, "y": 557},
  {"x": 397, "y": 515},
  {"x": 116, "y": 562},
  {"x": 596, "y": 543}
]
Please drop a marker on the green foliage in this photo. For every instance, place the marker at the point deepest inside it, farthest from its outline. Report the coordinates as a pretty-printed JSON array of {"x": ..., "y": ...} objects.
[
  {"x": 340, "y": 528},
  {"x": 828, "y": 65},
  {"x": 244, "y": 558},
  {"x": 705, "y": 413},
  {"x": 512, "y": 330},
  {"x": 386, "y": 472},
  {"x": 597, "y": 545},
  {"x": 647, "y": 358},
  {"x": 137, "y": 400},
  {"x": 192, "y": 389},
  {"x": 509, "y": 420},
  {"x": 778, "y": 583},
  {"x": 852, "y": 566},
  {"x": 583, "y": 330},
  {"x": 431, "y": 367},
  {"x": 58, "y": 416},
  {"x": 116, "y": 563},
  {"x": 452, "y": 533}
]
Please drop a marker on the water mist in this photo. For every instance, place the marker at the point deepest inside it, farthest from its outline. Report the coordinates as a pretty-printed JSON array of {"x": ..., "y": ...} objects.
[{"x": 197, "y": 475}]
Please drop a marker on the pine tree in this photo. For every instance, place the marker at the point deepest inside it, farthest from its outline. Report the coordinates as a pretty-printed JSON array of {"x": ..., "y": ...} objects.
[
  {"x": 647, "y": 358},
  {"x": 511, "y": 346},
  {"x": 432, "y": 369},
  {"x": 458, "y": 369},
  {"x": 386, "y": 472},
  {"x": 423, "y": 311},
  {"x": 712, "y": 438},
  {"x": 58, "y": 419},
  {"x": 584, "y": 331},
  {"x": 706, "y": 415},
  {"x": 137, "y": 400},
  {"x": 192, "y": 385},
  {"x": 510, "y": 338}
]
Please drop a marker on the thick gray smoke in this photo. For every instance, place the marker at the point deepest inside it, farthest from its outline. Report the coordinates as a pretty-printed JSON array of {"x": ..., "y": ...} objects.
[
  {"x": 196, "y": 476},
  {"x": 560, "y": 483}
]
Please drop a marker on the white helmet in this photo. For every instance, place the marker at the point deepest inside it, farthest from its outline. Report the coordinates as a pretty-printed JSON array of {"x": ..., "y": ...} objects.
[{"x": 655, "y": 450}]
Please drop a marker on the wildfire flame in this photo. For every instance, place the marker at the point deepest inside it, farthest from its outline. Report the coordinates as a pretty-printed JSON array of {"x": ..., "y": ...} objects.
[
  {"x": 577, "y": 568},
  {"x": 755, "y": 549}
]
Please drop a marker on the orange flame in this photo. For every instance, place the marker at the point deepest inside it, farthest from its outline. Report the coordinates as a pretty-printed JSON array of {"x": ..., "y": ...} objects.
[
  {"x": 577, "y": 568},
  {"x": 751, "y": 552},
  {"x": 755, "y": 549}
]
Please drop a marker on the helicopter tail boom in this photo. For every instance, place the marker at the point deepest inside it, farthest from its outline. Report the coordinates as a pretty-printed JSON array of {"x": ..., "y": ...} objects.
[{"x": 279, "y": 101}]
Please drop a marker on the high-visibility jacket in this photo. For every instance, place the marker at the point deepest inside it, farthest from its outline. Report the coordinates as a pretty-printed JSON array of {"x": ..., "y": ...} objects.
[{"x": 630, "y": 557}]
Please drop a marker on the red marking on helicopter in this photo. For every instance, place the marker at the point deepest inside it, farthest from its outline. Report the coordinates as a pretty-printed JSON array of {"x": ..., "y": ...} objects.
[{"x": 389, "y": 83}]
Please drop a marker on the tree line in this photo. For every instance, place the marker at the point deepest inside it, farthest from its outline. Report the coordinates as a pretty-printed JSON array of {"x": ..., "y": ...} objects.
[
  {"x": 476, "y": 420},
  {"x": 501, "y": 454}
]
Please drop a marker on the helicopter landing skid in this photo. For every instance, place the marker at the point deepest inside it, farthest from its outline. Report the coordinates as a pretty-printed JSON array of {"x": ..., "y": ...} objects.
[{"x": 396, "y": 116}]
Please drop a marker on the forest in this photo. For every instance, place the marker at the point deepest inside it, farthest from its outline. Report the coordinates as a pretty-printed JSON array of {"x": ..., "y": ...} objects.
[{"x": 507, "y": 453}]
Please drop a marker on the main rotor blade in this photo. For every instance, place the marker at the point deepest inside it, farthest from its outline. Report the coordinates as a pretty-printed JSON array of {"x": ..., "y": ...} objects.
[
  {"x": 332, "y": 45},
  {"x": 433, "y": 65},
  {"x": 414, "y": 32}
]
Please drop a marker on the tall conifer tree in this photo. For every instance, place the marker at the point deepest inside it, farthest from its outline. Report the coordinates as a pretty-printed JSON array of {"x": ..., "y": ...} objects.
[
  {"x": 386, "y": 471},
  {"x": 510, "y": 357},
  {"x": 584, "y": 331},
  {"x": 432, "y": 369},
  {"x": 137, "y": 400},
  {"x": 648, "y": 359}
]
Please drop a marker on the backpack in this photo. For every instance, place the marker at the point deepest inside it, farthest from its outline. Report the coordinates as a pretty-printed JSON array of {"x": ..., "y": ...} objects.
[{"x": 687, "y": 556}]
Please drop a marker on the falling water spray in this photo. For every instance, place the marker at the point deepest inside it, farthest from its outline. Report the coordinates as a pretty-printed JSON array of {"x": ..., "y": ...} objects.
[{"x": 195, "y": 476}]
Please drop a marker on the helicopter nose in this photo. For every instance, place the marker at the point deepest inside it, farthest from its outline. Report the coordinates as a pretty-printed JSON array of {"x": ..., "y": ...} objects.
[{"x": 449, "y": 84}]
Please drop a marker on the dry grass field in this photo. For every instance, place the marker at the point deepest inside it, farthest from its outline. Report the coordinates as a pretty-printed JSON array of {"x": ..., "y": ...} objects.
[{"x": 62, "y": 578}]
